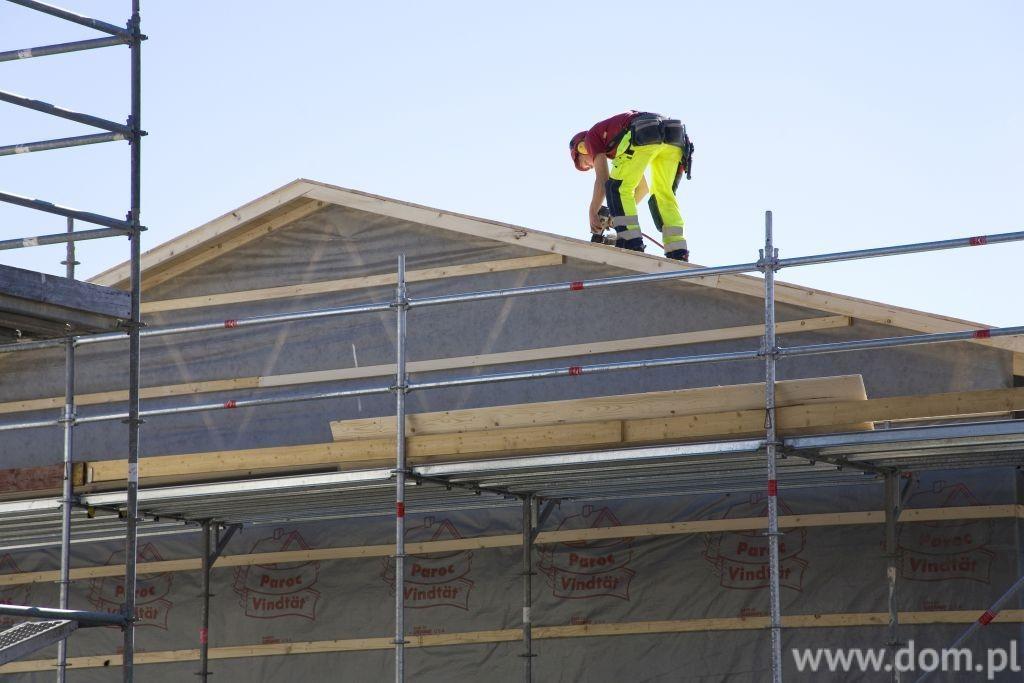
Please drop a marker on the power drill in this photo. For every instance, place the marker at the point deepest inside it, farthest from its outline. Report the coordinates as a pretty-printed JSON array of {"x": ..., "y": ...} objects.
[{"x": 605, "y": 218}]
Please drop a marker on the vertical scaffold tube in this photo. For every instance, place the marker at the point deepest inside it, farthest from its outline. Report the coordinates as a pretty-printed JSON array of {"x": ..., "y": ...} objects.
[
  {"x": 770, "y": 356},
  {"x": 892, "y": 514},
  {"x": 401, "y": 310},
  {"x": 204, "y": 628},
  {"x": 67, "y": 500},
  {"x": 528, "y": 503},
  {"x": 134, "y": 347}
]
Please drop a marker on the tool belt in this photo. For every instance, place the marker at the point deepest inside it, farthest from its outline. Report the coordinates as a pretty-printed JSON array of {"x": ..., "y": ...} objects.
[{"x": 653, "y": 129}]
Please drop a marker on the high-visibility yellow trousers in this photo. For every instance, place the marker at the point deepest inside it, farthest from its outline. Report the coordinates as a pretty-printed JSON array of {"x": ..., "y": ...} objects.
[{"x": 628, "y": 167}]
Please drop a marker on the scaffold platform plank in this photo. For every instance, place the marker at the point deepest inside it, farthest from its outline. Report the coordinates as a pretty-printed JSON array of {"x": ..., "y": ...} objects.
[
  {"x": 29, "y": 636},
  {"x": 38, "y": 306}
]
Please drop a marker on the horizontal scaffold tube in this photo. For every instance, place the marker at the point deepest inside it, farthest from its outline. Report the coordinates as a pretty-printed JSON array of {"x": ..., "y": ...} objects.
[
  {"x": 74, "y": 18},
  {"x": 204, "y": 407},
  {"x": 62, "y": 48},
  {"x": 60, "y": 143},
  {"x": 61, "y": 238},
  {"x": 719, "y": 270},
  {"x": 907, "y": 340}
]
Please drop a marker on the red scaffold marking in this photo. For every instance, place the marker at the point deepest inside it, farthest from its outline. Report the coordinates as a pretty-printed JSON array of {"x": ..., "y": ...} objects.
[
  {"x": 203, "y": 635},
  {"x": 230, "y": 404},
  {"x": 773, "y": 487},
  {"x": 229, "y": 324},
  {"x": 576, "y": 286},
  {"x": 986, "y": 618},
  {"x": 575, "y": 370},
  {"x": 400, "y": 509},
  {"x": 978, "y": 241},
  {"x": 982, "y": 334}
]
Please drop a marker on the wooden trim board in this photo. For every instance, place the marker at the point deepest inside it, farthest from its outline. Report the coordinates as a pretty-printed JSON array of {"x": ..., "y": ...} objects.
[
  {"x": 511, "y": 635},
  {"x": 698, "y": 401},
  {"x": 828, "y": 519},
  {"x": 431, "y": 365},
  {"x": 349, "y": 284}
]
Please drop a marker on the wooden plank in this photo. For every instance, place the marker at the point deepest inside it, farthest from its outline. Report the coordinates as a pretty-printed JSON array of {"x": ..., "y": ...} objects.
[
  {"x": 649, "y": 263},
  {"x": 244, "y": 235},
  {"x": 64, "y": 292},
  {"x": 903, "y": 407},
  {"x": 551, "y": 632},
  {"x": 619, "y": 407},
  {"x": 165, "y": 391},
  {"x": 39, "y": 479},
  {"x": 436, "y": 447},
  {"x": 342, "y": 374},
  {"x": 349, "y": 284},
  {"x": 946, "y": 514},
  {"x": 205, "y": 235}
]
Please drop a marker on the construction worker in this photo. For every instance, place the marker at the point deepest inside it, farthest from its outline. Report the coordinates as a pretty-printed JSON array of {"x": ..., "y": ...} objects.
[{"x": 633, "y": 141}]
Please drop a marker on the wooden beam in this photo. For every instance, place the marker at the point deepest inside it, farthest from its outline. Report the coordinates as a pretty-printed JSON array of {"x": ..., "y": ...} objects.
[
  {"x": 244, "y": 235},
  {"x": 958, "y": 404},
  {"x": 508, "y": 635},
  {"x": 349, "y": 284},
  {"x": 829, "y": 519},
  {"x": 198, "y": 238},
  {"x": 1018, "y": 364},
  {"x": 647, "y": 263},
  {"x": 673, "y": 403},
  {"x": 432, "y": 365},
  {"x": 39, "y": 480}
]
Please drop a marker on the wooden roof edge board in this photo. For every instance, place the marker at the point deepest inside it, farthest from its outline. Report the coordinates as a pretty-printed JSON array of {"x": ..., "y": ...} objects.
[
  {"x": 200, "y": 236},
  {"x": 540, "y": 632},
  {"x": 864, "y": 309},
  {"x": 428, "y": 365},
  {"x": 680, "y": 528}
]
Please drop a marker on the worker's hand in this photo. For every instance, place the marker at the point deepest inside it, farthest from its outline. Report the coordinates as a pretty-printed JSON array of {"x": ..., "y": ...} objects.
[{"x": 595, "y": 223}]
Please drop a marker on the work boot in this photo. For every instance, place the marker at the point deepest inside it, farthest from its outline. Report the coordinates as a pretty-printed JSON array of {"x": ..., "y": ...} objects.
[
  {"x": 679, "y": 255},
  {"x": 636, "y": 244}
]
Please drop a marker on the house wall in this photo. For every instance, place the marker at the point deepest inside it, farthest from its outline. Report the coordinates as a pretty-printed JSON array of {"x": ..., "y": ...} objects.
[{"x": 684, "y": 577}]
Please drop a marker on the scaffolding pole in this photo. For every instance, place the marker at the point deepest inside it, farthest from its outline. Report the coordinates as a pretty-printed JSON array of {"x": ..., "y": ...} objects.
[
  {"x": 401, "y": 306},
  {"x": 67, "y": 489},
  {"x": 893, "y": 505},
  {"x": 529, "y": 508},
  {"x": 769, "y": 259},
  {"x": 204, "y": 628},
  {"x": 134, "y": 346}
]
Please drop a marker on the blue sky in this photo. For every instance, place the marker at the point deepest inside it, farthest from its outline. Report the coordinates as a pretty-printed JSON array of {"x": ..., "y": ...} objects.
[{"x": 861, "y": 124}]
